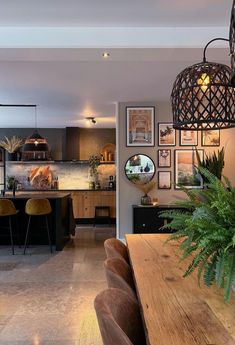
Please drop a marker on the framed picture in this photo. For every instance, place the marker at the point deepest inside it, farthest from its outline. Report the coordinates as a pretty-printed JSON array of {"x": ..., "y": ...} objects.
[
  {"x": 211, "y": 138},
  {"x": 188, "y": 138},
  {"x": 186, "y": 174},
  {"x": 164, "y": 158},
  {"x": 164, "y": 179},
  {"x": 140, "y": 126},
  {"x": 166, "y": 134}
]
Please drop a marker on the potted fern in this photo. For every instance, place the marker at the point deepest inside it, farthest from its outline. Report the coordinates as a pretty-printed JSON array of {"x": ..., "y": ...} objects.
[
  {"x": 11, "y": 145},
  {"x": 207, "y": 229}
]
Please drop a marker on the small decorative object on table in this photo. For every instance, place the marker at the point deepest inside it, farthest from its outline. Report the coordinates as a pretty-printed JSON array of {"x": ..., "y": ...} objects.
[
  {"x": 11, "y": 145},
  {"x": 146, "y": 188}
]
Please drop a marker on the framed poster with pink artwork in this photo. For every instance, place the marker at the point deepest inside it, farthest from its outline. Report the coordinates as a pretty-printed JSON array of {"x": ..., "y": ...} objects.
[
  {"x": 186, "y": 173},
  {"x": 140, "y": 126},
  {"x": 188, "y": 138},
  {"x": 166, "y": 134},
  {"x": 164, "y": 179},
  {"x": 211, "y": 138}
]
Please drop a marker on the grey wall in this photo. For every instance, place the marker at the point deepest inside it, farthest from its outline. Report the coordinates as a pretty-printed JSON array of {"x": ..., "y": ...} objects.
[
  {"x": 55, "y": 138},
  {"x": 91, "y": 141},
  {"x": 128, "y": 193}
]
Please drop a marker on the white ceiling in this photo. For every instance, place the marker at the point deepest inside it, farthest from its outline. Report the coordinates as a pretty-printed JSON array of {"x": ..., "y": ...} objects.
[
  {"x": 68, "y": 82},
  {"x": 114, "y": 13}
]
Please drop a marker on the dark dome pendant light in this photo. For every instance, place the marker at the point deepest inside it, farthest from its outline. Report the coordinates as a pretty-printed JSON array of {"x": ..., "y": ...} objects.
[{"x": 203, "y": 95}]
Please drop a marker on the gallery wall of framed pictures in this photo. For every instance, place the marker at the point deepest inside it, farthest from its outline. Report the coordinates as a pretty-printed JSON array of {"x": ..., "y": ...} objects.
[
  {"x": 182, "y": 161},
  {"x": 175, "y": 149}
]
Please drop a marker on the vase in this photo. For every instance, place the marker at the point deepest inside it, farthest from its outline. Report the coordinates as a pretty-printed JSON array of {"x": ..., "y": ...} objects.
[
  {"x": 146, "y": 200},
  {"x": 147, "y": 168}
]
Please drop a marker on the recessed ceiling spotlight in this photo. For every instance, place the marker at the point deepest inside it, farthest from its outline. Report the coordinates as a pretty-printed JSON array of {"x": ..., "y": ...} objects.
[
  {"x": 106, "y": 55},
  {"x": 91, "y": 119}
]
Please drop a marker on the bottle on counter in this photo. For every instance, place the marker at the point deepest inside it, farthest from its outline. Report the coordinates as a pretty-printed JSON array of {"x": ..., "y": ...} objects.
[
  {"x": 55, "y": 184},
  {"x": 111, "y": 183},
  {"x": 97, "y": 185}
]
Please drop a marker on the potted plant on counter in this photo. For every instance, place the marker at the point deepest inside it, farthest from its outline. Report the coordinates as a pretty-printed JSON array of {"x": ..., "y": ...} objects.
[
  {"x": 11, "y": 145},
  {"x": 94, "y": 162},
  {"x": 206, "y": 226}
]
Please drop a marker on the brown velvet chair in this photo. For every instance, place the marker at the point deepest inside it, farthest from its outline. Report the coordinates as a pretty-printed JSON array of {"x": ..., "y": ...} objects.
[
  {"x": 119, "y": 318},
  {"x": 119, "y": 275},
  {"x": 115, "y": 248}
]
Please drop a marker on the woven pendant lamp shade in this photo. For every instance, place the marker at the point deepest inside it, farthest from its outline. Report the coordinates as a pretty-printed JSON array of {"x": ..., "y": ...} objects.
[
  {"x": 203, "y": 95},
  {"x": 35, "y": 143},
  {"x": 35, "y": 148},
  {"x": 202, "y": 98},
  {"x": 232, "y": 43}
]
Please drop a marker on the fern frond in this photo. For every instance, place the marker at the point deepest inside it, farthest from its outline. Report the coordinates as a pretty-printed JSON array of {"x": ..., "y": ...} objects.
[
  {"x": 210, "y": 271},
  {"x": 229, "y": 278},
  {"x": 219, "y": 276}
]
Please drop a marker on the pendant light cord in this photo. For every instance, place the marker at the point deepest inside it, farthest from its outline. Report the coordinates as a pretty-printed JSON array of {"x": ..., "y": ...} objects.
[
  {"x": 36, "y": 124},
  {"x": 214, "y": 39}
]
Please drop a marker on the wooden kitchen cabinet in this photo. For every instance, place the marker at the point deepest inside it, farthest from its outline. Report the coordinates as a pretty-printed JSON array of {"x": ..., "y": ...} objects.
[
  {"x": 84, "y": 202},
  {"x": 78, "y": 204}
]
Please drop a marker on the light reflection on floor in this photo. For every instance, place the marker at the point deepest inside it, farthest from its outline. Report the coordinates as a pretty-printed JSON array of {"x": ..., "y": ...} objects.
[{"x": 48, "y": 299}]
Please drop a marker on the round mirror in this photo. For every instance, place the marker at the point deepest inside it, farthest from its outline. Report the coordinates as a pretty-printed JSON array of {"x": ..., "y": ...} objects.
[{"x": 139, "y": 169}]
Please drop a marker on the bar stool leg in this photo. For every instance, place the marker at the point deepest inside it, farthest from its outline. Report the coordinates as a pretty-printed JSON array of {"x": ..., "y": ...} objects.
[
  {"x": 18, "y": 231},
  {"x": 48, "y": 233},
  {"x": 26, "y": 236},
  {"x": 12, "y": 243}
]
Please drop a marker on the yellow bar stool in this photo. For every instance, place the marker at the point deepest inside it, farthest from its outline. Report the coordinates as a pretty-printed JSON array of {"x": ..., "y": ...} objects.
[
  {"x": 38, "y": 207},
  {"x": 7, "y": 209}
]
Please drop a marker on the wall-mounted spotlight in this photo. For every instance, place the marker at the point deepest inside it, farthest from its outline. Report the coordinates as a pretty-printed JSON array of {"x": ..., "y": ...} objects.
[{"x": 91, "y": 119}]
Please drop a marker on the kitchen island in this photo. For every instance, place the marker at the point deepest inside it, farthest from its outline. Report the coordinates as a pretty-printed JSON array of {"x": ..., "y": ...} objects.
[{"x": 61, "y": 219}]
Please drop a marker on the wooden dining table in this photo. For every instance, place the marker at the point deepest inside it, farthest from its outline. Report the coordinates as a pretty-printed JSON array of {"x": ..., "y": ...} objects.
[{"x": 175, "y": 310}]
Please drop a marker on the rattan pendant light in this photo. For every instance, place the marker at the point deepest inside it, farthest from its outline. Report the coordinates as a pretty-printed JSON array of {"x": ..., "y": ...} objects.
[
  {"x": 232, "y": 43},
  {"x": 35, "y": 146},
  {"x": 203, "y": 95}
]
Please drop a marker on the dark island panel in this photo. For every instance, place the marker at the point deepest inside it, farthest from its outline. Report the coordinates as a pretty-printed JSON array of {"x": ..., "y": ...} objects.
[{"x": 61, "y": 220}]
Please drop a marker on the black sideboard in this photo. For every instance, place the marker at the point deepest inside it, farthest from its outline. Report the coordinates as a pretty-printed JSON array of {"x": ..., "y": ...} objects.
[{"x": 146, "y": 219}]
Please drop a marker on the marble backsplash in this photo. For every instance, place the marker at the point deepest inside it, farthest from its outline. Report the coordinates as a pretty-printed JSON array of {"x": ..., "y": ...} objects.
[{"x": 68, "y": 175}]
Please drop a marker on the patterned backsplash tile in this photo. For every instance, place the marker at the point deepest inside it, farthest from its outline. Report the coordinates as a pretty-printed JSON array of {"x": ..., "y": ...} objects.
[{"x": 68, "y": 175}]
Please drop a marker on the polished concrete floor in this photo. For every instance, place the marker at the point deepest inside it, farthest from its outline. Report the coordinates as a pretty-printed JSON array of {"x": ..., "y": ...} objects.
[{"x": 47, "y": 299}]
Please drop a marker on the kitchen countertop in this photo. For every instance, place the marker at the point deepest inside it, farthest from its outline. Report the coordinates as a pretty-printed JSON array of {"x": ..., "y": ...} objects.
[
  {"x": 62, "y": 190},
  {"x": 35, "y": 194}
]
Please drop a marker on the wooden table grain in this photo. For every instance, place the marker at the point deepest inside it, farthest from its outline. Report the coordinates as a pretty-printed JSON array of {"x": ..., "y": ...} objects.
[{"x": 175, "y": 310}]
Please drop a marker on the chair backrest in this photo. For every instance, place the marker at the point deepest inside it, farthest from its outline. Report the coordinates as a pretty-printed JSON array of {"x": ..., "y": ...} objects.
[
  {"x": 7, "y": 208},
  {"x": 119, "y": 318},
  {"x": 115, "y": 248},
  {"x": 119, "y": 275},
  {"x": 38, "y": 207}
]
